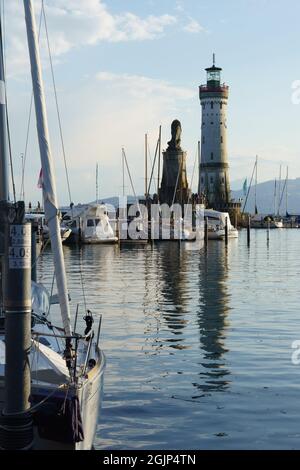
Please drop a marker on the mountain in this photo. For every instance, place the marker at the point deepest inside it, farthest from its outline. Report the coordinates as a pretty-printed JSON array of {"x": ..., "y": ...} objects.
[{"x": 265, "y": 197}]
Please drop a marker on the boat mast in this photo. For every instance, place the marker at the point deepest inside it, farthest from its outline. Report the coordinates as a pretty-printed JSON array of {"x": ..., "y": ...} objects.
[
  {"x": 123, "y": 172},
  {"x": 49, "y": 187},
  {"x": 286, "y": 191},
  {"x": 279, "y": 190},
  {"x": 4, "y": 184},
  {"x": 256, "y": 211},
  {"x": 97, "y": 184},
  {"x": 146, "y": 165},
  {"x": 275, "y": 193},
  {"x": 159, "y": 159},
  {"x": 199, "y": 161}
]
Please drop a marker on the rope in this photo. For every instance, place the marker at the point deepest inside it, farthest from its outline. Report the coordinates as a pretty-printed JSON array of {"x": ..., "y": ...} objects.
[
  {"x": 82, "y": 286},
  {"x": 56, "y": 102}
]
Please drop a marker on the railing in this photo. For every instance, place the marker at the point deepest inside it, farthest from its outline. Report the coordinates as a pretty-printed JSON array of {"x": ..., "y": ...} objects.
[{"x": 206, "y": 88}]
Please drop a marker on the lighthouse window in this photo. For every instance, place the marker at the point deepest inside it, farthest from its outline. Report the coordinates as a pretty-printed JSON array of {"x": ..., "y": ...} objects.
[
  {"x": 211, "y": 156},
  {"x": 212, "y": 105},
  {"x": 221, "y": 139}
]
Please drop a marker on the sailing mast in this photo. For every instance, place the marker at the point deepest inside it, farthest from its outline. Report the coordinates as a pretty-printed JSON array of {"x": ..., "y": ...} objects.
[
  {"x": 279, "y": 190},
  {"x": 49, "y": 187},
  {"x": 275, "y": 194},
  {"x": 4, "y": 185},
  {"x": 286, "y": 191},
  {"x": 159, "y": 159},
  {"x": 199, "y": 161},
  {"x": 146, "y": 165},
  {"x": 256, "y": 211},
  {"x": 97, "y": 184}
]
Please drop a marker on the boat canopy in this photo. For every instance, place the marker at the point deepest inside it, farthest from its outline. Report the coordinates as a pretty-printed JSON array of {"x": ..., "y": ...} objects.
[{"x": 218, "y": 218}]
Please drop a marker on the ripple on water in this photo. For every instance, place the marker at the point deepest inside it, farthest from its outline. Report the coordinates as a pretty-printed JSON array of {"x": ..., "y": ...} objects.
[{"x": 198, "y": 345}]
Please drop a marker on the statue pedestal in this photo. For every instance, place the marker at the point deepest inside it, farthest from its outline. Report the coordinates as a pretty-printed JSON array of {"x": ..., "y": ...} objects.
[{"x": 174, "y": 185}]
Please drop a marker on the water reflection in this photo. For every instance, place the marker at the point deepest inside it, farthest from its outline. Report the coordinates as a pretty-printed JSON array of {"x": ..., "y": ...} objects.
[{"x": 212, "y": 318}]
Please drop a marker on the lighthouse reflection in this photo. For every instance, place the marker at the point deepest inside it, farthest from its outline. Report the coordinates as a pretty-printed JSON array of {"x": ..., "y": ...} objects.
[
  {"x": 194, "y": 295},
  {"x": 212, "y": 319}
]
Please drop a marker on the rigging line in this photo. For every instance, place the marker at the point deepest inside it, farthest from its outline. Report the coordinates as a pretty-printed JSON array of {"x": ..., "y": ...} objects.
[
  {"x": 82, "y": 283},
  {"x": 249, "y": 187},
  {"x": 22, "y": 191},
  {"x": 6, "y": 108},
  {"x": 153, "y": 167},
  {"x": 56, "y": 102},
  {"x": 128, "y": 171},
  {"x": 179, "y": 171},
  {"x": 281, "y": 196},
  {"x": 192, "y": 180}
]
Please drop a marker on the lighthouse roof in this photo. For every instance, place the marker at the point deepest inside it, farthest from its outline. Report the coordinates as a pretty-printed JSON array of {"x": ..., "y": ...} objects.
[{"x": 213, "y": 68}]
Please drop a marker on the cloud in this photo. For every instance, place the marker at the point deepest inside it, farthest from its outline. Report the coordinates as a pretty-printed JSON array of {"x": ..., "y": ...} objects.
[
  {"x": 144, "y": 87},
  {"x": 193, "y": 27},
  {"x": 74, "y": 23},
  {"x": 111, "y": 111}
]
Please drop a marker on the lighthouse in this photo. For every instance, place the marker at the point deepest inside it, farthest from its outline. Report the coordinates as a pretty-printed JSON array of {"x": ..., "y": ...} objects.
[{"x": 214, "y": 184}]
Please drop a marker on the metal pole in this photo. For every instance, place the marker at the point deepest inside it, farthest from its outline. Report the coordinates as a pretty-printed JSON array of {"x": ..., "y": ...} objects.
[
  {"x": 206, "y": 231},
  {"x": 248, "y": 230},
  {"x": 159, "y": 159},
  {"x": 17, "y": 428},
  {"x": 4, "y": 185},
  {"x": 226, "y": 231},
  {"x": 146, "y": 165},
  {"x": 33, "y": 252}
]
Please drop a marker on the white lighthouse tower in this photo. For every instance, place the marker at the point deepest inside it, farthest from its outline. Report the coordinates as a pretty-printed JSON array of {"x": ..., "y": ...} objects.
[{"x": 214, "y": 186}]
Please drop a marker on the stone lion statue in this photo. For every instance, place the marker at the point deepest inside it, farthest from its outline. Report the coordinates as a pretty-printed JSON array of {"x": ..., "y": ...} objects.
[{"x": 175, "y": 142}]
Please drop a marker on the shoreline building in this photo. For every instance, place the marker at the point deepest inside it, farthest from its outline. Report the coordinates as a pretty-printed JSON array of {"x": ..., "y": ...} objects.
[{"x": 214, "y": 182}]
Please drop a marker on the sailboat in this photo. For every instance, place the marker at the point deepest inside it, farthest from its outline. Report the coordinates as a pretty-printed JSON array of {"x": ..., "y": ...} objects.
[
  {"x": 66, "y": 367},
  {"x": 133, "y": 227}
]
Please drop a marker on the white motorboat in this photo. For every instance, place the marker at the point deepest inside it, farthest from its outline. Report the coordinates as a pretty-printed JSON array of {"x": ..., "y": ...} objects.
[
  {"x": 216, "y": 225},
  {"x": 39, "y": 218},
  {"x": 90, "y": 224}
]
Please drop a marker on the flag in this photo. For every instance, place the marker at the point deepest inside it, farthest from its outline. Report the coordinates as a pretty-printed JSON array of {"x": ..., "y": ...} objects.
[
  {"x": 245, "y": 187},
  {"x": 41, "y": 180}
]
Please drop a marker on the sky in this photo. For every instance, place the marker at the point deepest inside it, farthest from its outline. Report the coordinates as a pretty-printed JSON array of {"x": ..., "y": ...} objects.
[{"x": 125, "y": 67}]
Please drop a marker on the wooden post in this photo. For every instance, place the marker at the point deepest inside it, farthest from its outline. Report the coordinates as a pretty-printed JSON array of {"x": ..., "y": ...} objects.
[
  {"x": 268, "y": 232},
  {"x": 226, "y": 231},
  {"x": 248, "y": 230},
  {"x": 206, "y": 231}
]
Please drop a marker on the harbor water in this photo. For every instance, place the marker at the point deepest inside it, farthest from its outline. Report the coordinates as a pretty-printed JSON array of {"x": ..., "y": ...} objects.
[{"x": 198, "y": 343}]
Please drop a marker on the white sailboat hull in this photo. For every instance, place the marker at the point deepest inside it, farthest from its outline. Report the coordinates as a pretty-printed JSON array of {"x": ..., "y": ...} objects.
[{"x": 90, "y": 396}]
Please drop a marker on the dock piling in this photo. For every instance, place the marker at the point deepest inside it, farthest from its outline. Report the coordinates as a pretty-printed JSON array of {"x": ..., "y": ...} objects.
[
  {"x": 248, "y": 231},
  {"x": 16, "y": 431},
  {"x": 226, "y": 231}
]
